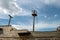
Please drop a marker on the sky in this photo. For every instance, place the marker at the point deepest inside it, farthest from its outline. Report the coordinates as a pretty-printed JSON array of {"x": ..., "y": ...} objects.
[{"x": 48, "y": 12}]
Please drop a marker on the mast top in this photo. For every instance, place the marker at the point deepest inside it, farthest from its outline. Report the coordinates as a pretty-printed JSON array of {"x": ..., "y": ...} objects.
[
  {"x": 34, "y": 13},
  {"x": 10, "y": 16}
]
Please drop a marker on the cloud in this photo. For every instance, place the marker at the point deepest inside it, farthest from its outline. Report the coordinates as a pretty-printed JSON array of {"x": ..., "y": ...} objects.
[
  {"x": 2, "y": 16},
  {"x": 21, "y": 27},
  {"x": 32, "y": 3},
  {"x": 47, "y": 25},
  {"x": 15, "y": 7},
  {"x": 51, "y": 2},
  {"x": 48, "y": 1},
  {"x": 11, "y": 7},
  {"x": 55, "y": 15},
  {"x": 24, "y": 8},
  {"x": 40, "y": 25}
]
